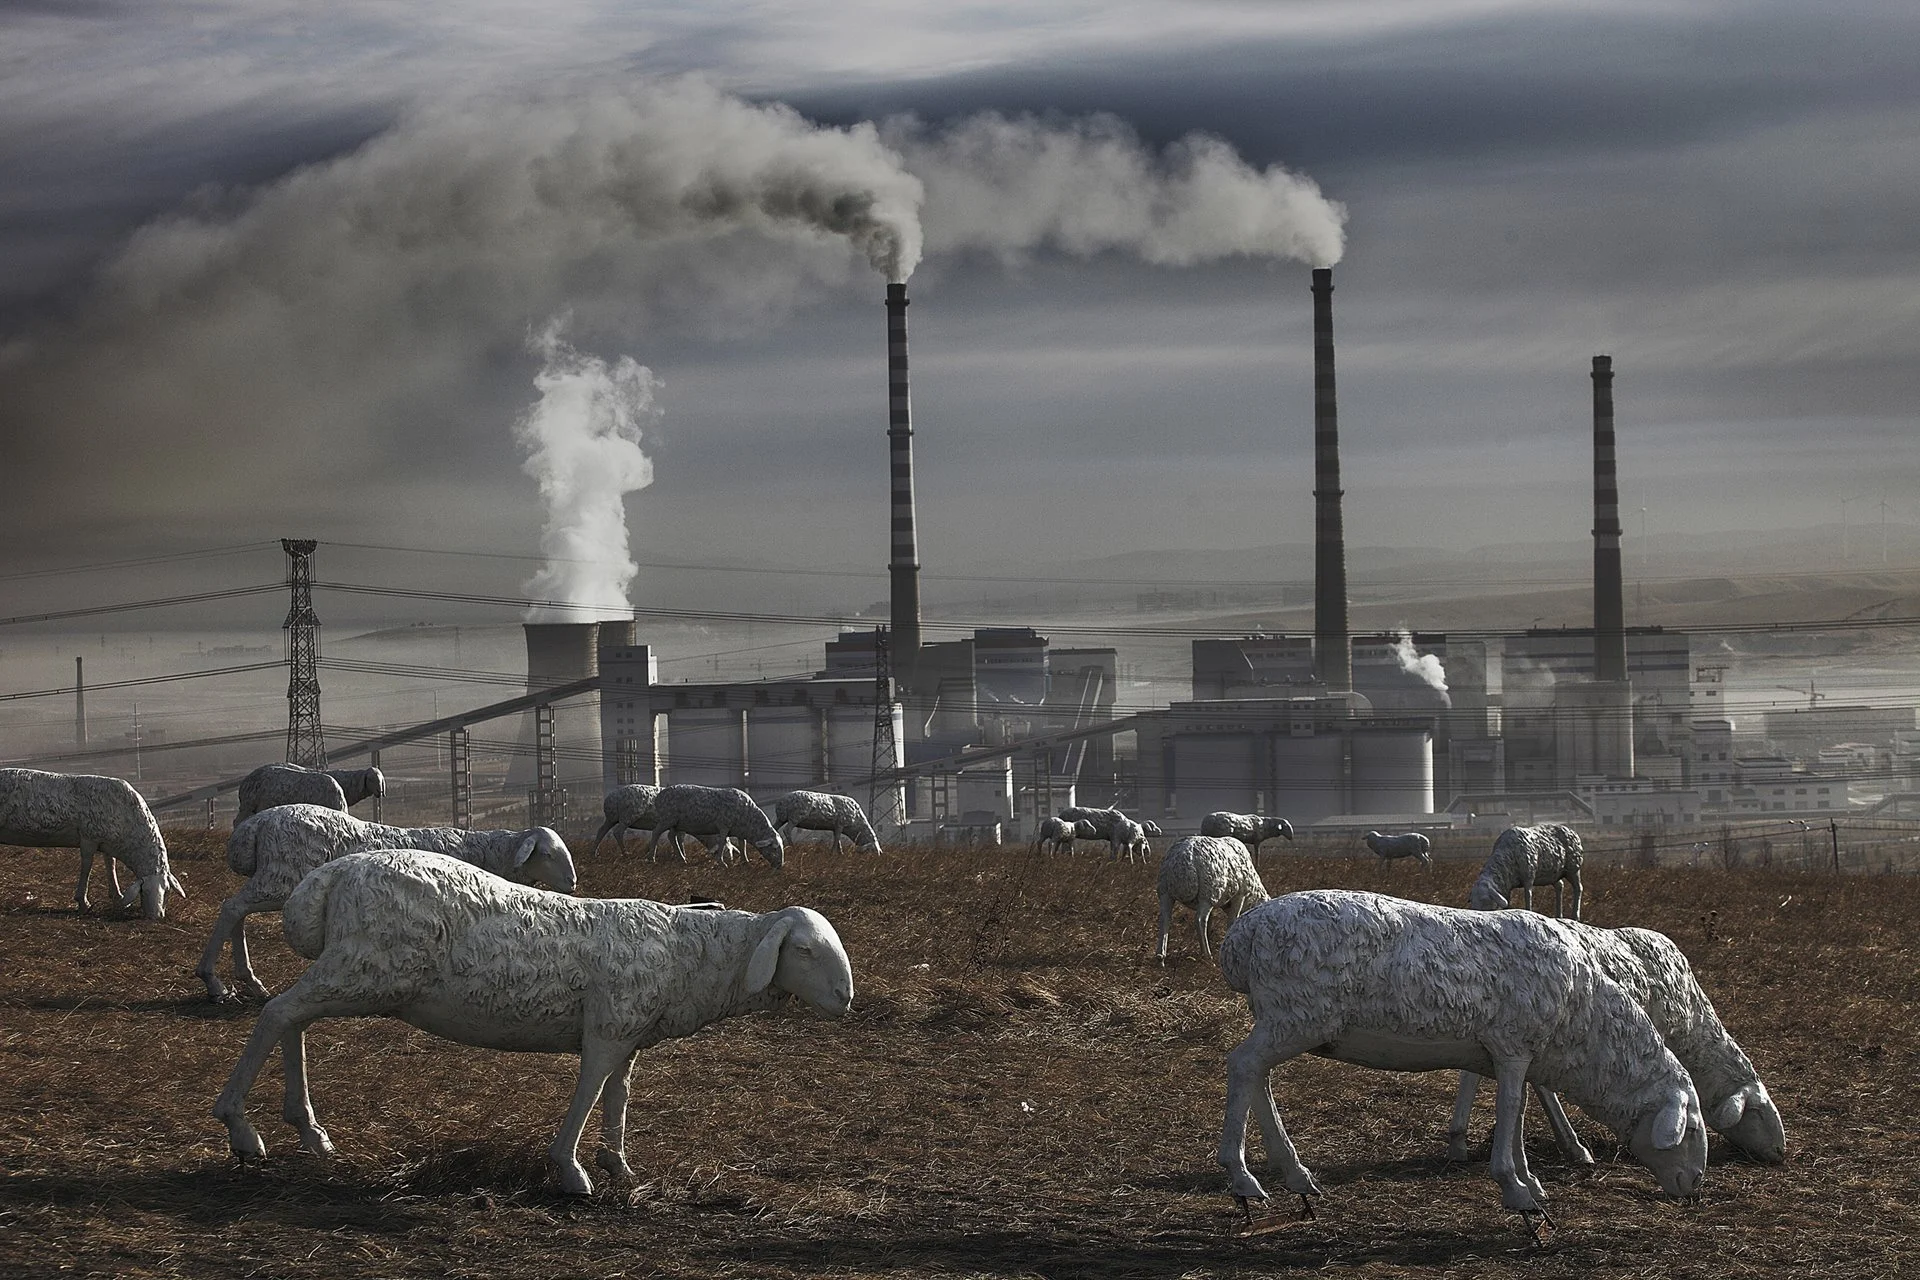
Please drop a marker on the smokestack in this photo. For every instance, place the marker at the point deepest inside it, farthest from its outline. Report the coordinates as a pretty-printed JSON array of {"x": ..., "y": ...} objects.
[
  {"x": 1332, "y": 652},
  {"x": 559, "y": 653},
  {"x": 79, "y": 701},
  {"x": 905, "y": 562},
  {"x": 1609, "y": 611}
]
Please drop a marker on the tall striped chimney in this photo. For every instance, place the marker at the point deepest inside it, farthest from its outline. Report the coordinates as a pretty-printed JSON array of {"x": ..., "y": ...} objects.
[
  {"x": 905, "y": 562},
  {"x": 1609, "y": 610},
  {"x": 1332, "y": 651}
]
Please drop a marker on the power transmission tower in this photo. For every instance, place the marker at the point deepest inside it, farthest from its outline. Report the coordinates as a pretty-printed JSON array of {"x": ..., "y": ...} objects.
[
  {"x": 883, "y": 785},
  {"x": 306, "y": 741}
]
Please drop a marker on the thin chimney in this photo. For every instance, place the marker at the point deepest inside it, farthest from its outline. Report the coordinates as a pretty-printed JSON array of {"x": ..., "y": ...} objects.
[
  {"x": 905, "y": 562},
  {"x": 1609, "y": 610},
  {"x": 79, "y": 701},
  {"x": 1332, "y": 651}
]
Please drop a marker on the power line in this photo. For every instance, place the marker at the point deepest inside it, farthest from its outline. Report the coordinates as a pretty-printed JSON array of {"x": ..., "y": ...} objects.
[
  {"x": 136, "y": 562},
  {"x": 127, "y": 684},
  {"x": 200, "y": 597}
]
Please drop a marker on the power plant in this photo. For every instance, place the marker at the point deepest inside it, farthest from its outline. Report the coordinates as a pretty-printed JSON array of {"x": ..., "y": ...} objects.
[{"x": 984, "y": 733}]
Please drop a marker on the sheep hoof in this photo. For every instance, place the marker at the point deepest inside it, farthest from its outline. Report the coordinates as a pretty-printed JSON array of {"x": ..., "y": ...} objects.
[
  {"x": 614, "y": 1163},
  {"x": 1458, "y": 1149},
  {"x": 314, "y": 1141},
  {"x": 572, "y": 1179},
  {"x": 256, "y": 988},
  {"x": 245, "y": 1144}
]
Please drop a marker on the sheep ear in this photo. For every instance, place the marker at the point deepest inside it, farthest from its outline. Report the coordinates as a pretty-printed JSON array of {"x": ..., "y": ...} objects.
[
  {"x": 1671, "y": 1125},
  {"x": 526, "y": 848},
  {"x": 766, "y": 956},
  {"x": 1728, "y": 1113}
]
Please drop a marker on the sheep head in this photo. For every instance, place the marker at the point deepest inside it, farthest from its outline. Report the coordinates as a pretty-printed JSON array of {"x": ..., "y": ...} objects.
[
  {"x": 801, "y": 955},
  {"x": 773, "y": 849},
  {"x": 543, "y": 857},
  {"x": 1671, "y": 1141},
  {"x": 1749, "y": 1120},
  {"x": 1486, "y": 896}
]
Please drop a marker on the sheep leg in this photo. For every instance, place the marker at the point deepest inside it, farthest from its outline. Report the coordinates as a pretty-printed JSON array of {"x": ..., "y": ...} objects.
[
  {"x": 1249, "y": 1070},
  {"x": 80, "y": 903},
  {"x": 1508, "y": 1166},
  {"x": 612, "y": 1155},
  {"x": 1458, "y": 1128},
  {"x": 1202, "y": 911},
  {"x": 1563, "y": 1135},
  {"x": 233, "y": 912},
  {"x": 598, "y": 1060},
  {"x": 1575, "y": 881},
  {"x": 284, "y": 1014},
  {"x": 296, "y": 1106},
  {"x": 243, "y": 962},
  {"x": 1166, "y": 925},
  {"x": 601, "y": 834}
]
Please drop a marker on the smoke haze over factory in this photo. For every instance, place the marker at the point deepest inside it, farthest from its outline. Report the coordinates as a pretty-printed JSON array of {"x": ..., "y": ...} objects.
[{"x": 1722, "y": 197}]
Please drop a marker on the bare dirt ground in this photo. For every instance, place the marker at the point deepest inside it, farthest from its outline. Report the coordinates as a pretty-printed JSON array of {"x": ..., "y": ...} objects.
[{"x": 1020, "y": 1091}]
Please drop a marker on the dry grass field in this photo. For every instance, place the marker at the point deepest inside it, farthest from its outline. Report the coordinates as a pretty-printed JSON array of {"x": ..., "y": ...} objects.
[{"x": 1020, "y": 1091}]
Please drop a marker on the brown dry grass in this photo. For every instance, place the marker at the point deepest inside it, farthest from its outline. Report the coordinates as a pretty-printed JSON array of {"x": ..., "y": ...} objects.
[{"x": 1020, "y": 1091}]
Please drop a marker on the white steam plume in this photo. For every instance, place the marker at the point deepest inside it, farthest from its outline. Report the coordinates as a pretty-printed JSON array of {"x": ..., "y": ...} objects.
[
  {"x": 583, "y": 445},
  {"x": 1424, "y": 665},
  {"x": 1008, "y": 185}
]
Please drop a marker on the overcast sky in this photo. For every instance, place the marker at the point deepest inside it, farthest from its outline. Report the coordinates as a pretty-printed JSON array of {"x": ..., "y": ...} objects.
[{"x": 270, "y": 269}]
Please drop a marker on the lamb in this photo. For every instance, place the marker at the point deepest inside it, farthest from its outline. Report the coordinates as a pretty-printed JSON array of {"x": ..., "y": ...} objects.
[
  {"x": 1410, "y": 844},
  {"x": 96, "y": 815},
  {"x": 1058, "y": 834},
  {"x": 474, "y": 959},
  {"x": 628, "y": 808},
  {"x": 1204, "y": 872},
  {"x": 272, "y": 785},
  {"x": 1655, "y": 973},
  {"x": 820, "y": 811},
  {"x": 1127, "y": 838},
  {"x": 274, "y": 849},
  {"x": 1523, "y": 857},
  {"x": 1250, "y": 829},
  {"x": 717, "y": 812},
  {"x": 1404, "y": 986}
]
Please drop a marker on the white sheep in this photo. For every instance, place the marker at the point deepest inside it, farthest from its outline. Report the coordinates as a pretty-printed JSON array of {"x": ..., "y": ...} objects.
[
  {"x": 272, "y": 785},
  {"x": 1409, "y": 844},
  {"x": 1058, "y": 834},
  {"x": 274, "y": 849},
  {"x": 1128, "y": 839},
  {"x": 822, "y": 811},
  {"x": 1204, "y": 872},
  {"x": 1523, "y": 857},
  {"x": 473, "y": 959},
  {"x": 628, "y": 808},
  {"x": 96, "y": 815},
  {"x": 713, "y": 813},
  {"x": 1250, "y": 829},
  {"x": 1404, "y": 986},
  {"x": 1655, "y": 973}
]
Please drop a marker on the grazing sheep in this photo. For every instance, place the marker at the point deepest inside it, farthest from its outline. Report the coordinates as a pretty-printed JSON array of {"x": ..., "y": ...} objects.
[
  {"x": 1250, "y": 829},
  {"x": 1655, "y": 973},
  {"x": 719, "y": 812},
  {"x": 1204, "y": 872},
  {"x": 628, "y": 808},
  {"x": 1404, "y": 986},
  {"x": 1410, "y": 844},
  {"x": 274, "y": 849},
  {"x": 1101, "y": 820},
  {"x": 272, "y": 785},
  {"x": 1523, "y": 857},
  {"x": 96, "y": 815},
  {"x": 1128, "y": 839},
  {"x": 820, "y": 811},
  {"x": 474, "y": 959},
  {"x": 1058, "y": 834}
]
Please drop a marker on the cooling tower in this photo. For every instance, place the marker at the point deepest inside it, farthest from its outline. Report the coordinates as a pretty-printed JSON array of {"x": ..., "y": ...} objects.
[
  {"x": 559, "y": 653},
  {"x": 1332, "y": 652},
  {"x": 1609, "y": 610},
  {"x": 904, "y": 564}
]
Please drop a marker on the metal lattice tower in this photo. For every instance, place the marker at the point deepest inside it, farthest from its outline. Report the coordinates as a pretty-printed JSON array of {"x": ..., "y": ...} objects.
[
  {"x": 883, "y": 784},
  {"x": 306, "y": 740}
]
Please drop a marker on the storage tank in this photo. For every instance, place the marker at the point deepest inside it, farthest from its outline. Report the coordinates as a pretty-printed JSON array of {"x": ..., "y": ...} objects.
[
  {"x": 703, "y": 746},
  {"x": 1215, "y": 771},
  {"x": 1392, "y": 771},
  {"x": 783, "y": 750},
  {"x": 1307, "y": 781}
]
